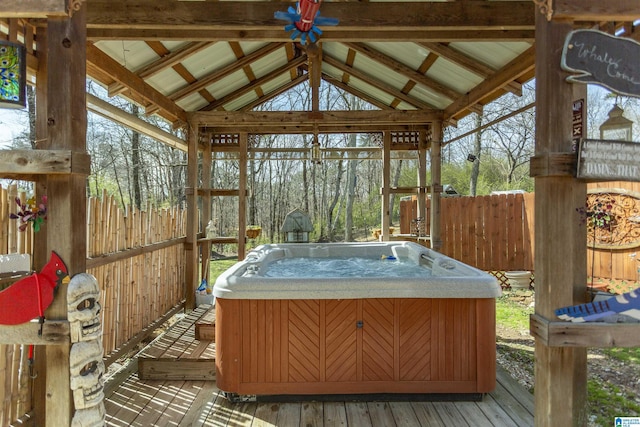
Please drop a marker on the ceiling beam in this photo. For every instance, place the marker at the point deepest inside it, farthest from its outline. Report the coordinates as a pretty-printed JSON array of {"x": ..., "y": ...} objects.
[
  {"x": 170, "y": 60},
  {"x": 519, "y": 66},
  {"x": 404, "y": 70},
  {"x": 225, "y": 71},
  {"x": 353, "y": 16},
  {"x": 468, "y": 63},
  {"x": 99, "y": 59},
  {"x": 375, "y": 83},
  {"x": 265, "y": 122},
  {"x": 115, "y": 114},
  {"x": 256, "y": 83},
  {"x": 277, "y": 34},
  {"x": 596, "y": 10}
]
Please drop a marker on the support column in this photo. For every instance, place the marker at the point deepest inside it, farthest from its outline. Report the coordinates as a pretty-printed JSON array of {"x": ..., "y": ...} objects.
[
  {"x": 436, "y": 185},
  {"x": 386, "y": 185},
  {"x": 65, "y": 230},
  {"x": 242, "y": 195},
  {"x": 560, "y": 237},
  {"x": 205, "y": 217},
  {"x": 191, "y": 245},
  {"x": 422, "y": 175}
]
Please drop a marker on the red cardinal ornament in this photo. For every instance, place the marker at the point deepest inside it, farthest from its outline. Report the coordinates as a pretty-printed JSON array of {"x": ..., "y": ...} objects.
[{"x": 29, "y": 297}]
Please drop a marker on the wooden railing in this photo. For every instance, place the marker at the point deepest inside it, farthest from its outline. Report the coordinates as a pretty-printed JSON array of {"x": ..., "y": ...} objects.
[{"x": 138, "y": 258}]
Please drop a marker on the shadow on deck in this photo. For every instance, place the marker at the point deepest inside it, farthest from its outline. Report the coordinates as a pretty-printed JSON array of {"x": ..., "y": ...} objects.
[{"x": 130, "y": 401}]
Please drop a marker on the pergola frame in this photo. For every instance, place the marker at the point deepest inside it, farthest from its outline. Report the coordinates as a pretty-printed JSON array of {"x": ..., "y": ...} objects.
[{"x": 560, "y": 262}]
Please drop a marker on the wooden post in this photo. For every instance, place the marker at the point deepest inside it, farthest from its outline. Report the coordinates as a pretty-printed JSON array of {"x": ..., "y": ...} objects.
[
  {"x": 242, "y": 195},
  {"x": 386, "y": 185},
  {"x": 205, "y": 217},
  {"x": 422, "y": 174},
  {"x": 66, "y": 121},
  {"x": 191, "y": 245},
  {"x": 436, "y": 185},
  {"x": 560, "y": 237}
]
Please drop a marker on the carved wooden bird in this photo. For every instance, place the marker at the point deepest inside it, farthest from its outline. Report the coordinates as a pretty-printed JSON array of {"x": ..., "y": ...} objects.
[{"x": 29, "y": 297}]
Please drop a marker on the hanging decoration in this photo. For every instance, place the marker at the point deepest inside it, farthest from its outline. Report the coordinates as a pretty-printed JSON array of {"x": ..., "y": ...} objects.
[
  {"x": 12, "y": 75},
  {"x": 304, "y": 20}
]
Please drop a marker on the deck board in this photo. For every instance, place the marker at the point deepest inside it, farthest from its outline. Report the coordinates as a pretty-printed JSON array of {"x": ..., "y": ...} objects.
[{"x": 201, "y": 403}]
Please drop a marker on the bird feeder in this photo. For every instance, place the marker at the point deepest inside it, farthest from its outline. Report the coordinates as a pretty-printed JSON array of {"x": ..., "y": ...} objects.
[{"x": 616, "y": 127}]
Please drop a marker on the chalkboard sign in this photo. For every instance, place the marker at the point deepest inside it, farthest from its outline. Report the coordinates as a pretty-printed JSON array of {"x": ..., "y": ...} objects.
[
  {"x": 609, "y": 160},
  {"x": 603, "y": 59}
]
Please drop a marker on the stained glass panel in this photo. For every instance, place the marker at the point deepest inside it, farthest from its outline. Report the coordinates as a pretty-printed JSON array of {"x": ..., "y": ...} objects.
[{"x": 12, "y": 75}]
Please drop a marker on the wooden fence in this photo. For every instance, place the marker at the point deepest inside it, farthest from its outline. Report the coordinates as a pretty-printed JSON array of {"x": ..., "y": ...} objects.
[
  {"x": 496, "y": 233},
  {"x": 139, "y": 260}
]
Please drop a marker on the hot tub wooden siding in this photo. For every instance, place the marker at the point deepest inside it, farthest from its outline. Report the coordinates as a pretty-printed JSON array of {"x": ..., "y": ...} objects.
[{"x": 355, "y": 346}]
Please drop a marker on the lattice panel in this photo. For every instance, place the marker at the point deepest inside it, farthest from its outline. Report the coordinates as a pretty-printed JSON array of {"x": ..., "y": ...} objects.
[
  {"x": 227, "y": 139},
  {"x": 415, "y": 340},
  {"x": 405, "y": 140},
  {"x": 341, "y": 340},
  {"x": 377, "y": 339},
  {"x": 304, "y": 340}
]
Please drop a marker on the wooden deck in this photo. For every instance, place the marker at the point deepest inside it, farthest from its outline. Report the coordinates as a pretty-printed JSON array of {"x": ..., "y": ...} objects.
[{"x": 130, "y": 401}]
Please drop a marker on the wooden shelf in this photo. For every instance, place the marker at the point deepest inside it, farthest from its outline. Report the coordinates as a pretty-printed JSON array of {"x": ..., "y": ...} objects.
[
  {"x": 30, "y": 164},
  {"x": 587, "y": 334}
]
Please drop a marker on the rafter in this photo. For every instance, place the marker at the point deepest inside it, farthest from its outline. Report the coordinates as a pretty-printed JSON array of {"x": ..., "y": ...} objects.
[
  {"x": 170, "y": 59},
  {"x": 375, "y": 83},
  {"x": 468, "y": 63},
  {"x": 255, "y": 84},
  {"x": 404, "y": 70},
  {"x": 518, "y": 67},
  {"x": 225, "y": 71},
  {"x": 99, "y": 59}
]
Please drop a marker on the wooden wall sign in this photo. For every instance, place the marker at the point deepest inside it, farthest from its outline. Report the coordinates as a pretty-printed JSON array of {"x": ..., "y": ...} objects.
[
  {"x": 609, "y": 160},
  {"x": 603, "y": 59}
]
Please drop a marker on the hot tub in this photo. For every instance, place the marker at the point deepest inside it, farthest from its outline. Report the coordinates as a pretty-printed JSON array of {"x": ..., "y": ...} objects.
[{"x": 429, "y": 331}]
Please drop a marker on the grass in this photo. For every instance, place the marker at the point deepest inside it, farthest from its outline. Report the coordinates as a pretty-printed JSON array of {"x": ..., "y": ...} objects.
[
  {"x": 217, "y": 267},
  {"x": 605, "y": 399}
]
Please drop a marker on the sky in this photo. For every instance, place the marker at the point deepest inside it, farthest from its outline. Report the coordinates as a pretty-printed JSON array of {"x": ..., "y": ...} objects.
[{"x": 12, "y": 123}]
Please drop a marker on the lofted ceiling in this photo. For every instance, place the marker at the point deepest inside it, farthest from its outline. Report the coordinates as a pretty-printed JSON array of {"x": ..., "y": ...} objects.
[{"x": 174, "y": 57}]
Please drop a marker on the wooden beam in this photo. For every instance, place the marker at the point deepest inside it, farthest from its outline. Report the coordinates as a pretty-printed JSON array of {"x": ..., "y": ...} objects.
[
  {"x": 32, "y": 8},
  {"x": 224, "y": 72},
  {"x": 170, "y": 60},
  {"x": 101, "y": 60},
  {"x": 329, "y": 34},
  {"x": 223, "y": 120},
  {"x": 115, "y": 114},
  {"x": 43, "y": 162},
  {"x": 403, "y": 70},
  {"x": 587, "y": 334},
  {"x": 468, "y": 63},
  {"x": 376, "y": 83},
  {"x": 353, "y": 16},
  {"x": 521, "y": 65},
  {"x": 255, "y": 84},
  {"x": 596, "y": 10}
]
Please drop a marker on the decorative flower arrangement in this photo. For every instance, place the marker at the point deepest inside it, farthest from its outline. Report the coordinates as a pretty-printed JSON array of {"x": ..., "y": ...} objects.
[{"x": 30, "y": 213}]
